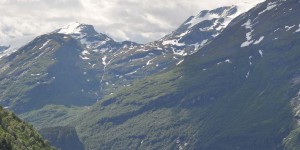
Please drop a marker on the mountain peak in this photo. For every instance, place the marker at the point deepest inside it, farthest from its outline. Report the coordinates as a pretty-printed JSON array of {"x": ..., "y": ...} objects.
[
  {"x": 221, "y": 12},
  {"x": 225, "y": 11},
  {"x": 77, "y": 28}
]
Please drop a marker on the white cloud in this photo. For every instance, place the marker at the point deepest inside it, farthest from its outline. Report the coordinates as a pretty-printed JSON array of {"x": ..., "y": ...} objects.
[{"x": 136, "y": 20}]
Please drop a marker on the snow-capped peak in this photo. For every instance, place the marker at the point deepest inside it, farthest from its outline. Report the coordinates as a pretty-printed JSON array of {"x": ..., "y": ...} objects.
[
  {"x": 77, "y": 28},
  {"x": 71, "y": 28},
  {"x": 222, "y": 12},
  {"x": 208, "y": 24},
  {"x": 228, "y": 13}
]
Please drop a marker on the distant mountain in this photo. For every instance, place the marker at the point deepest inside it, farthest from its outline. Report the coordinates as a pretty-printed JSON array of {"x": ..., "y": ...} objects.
[
  {"x": 2, "y": 48},
  {"x": 15, "y": 134},
  {"x": 76, "y": 65},
  {"x": 13, "y": 44}
]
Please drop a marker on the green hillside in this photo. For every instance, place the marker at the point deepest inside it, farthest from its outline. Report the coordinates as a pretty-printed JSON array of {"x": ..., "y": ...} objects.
[{"x": 18, "y": 135}]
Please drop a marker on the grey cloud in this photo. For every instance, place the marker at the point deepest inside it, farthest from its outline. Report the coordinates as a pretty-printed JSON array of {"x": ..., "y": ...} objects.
[{"x": 136, "y": 20}]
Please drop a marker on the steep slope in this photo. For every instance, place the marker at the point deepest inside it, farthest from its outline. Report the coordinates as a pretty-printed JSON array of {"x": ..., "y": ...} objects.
[
  {"x": 235, "y": 93},
  {"x": 64, "y": 138},
  {"x": 15, "y": 134}
]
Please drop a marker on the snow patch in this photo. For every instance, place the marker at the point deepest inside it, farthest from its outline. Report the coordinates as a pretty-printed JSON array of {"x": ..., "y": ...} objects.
[
  {"x": 172, "y": 42},
  {"x": 250, "y": 60},
  {"x": 196, "y": 20},
  {"x": 72, "y": 28},
  {"x": 276, "y": 30},
  {"x": 85, "y": 52},
  {"x": 248, "y": 25},
  {"x": 142, "y": 50},
  {"x": 298, "y": 29},
  {"x": 248, "y": 74},
  {"x": 45, "y": 44},
  {"x": 227, "y": 61},
  {"x": 289, "y": 27},
  {"x": 84, "y": 58},
  {"x": 246, "y": 43},
  {"x": 217, "y": 24},
  {"x": 104, "y": 60},
  {"x": 203, "y": 43},
  {"x": 149, "y": 62},
  {"x": 197, "y": 45},
  {"x": 184, "y": 33},
  {"x": 179, "y": 62},
  {"x": 131, "y": 73},
  {"x": 179, "y": 52},
  {"x": 35, "y": 74},
  {"x": 261, "y": 53},
  {"x": 270, "y": 6},
  {"x": 259, "y": 40},
  {"x": 91, "y": 45}
]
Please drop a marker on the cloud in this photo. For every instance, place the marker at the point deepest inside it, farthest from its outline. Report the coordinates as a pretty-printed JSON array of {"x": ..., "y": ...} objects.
[{"x": 137, "y": 20}]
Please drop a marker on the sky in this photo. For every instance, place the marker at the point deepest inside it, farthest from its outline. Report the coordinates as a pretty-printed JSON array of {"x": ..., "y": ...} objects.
[{"x": 136, "y": 20}]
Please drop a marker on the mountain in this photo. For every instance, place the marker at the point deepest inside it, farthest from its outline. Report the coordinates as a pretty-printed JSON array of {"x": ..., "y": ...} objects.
[
  {"x": 64, "y": 138},
  {"x": 48, "y": 63},
  {"x": 198, "y": 30},
  {"x": 77, "y": 66},
  {"x": 241, "y": 91},
  {"x": 15, "y": 134}
]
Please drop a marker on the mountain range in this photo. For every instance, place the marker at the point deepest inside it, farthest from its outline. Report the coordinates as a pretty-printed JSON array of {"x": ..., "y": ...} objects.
[
  {"x": 79, "y": 65},
  {"x": 223, "y": 80}
]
